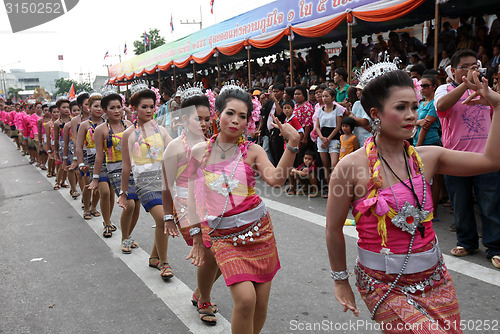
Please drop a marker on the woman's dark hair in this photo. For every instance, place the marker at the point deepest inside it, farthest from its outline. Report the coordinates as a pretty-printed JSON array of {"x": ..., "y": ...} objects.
[
  {"x": 322, "y": 87},
  {"x": 108, "y": 98},
  {"x": 351, "y": 94},
  {"x": 302, "y": 89},
  {"x": 330, "y": 91},
  {"x": 431, "y": 78},
  {"x": 350, "y": 122},
  {"x": 198, "y": 100},
  {"x": 377, "y": 90},
  {"x": 81, "y": 98},
  {"x": 289, "y": 91},
  {"x": 72, "y": 104},
  {"x": 289, "y": 103},
  {"x": 61, "y": 101},
  {"x": 237, "y": 94},
  {"x": 143, "y": 94}
]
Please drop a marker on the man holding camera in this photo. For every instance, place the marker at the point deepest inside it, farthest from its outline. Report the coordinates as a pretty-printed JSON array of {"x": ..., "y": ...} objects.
[{"x": 465, "y": 128}]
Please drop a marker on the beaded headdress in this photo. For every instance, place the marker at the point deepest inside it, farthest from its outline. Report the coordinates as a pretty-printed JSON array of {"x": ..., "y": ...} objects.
[
  {"x": 233, "y": 85},
  {"x": 370, "y": 71},
  {"x": 108, "y": 90},
  {"x": 138, "y": 86},
  {"x": 187, "y": 91}
]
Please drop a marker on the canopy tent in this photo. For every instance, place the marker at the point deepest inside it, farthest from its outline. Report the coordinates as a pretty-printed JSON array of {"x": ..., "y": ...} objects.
[{"x": 267, "y": 29}]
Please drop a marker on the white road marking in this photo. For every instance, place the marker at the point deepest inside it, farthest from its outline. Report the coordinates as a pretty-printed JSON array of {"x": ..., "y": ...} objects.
[
  {"x": 467, "y": 268},
  {"x": 175, "y": 294}
]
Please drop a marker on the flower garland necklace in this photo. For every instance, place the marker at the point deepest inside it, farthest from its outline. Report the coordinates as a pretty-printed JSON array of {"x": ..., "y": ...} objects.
[
  {"x": 109, "y": 140},
  {"x": 93, "y": 126}
]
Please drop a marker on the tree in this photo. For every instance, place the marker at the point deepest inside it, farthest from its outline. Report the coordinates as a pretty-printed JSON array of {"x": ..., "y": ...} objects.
[
  {"x": 13, "y": 93},
  {"x": 154, "y": 39},
  {"x": 64, "y": 85}
]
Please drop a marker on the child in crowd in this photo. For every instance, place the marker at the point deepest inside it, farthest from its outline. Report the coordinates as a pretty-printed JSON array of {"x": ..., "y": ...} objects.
[
  {"x": 348, "y": 141},
  {"x": 306, "y": 174},
  {"x": 288, "y": 107}
]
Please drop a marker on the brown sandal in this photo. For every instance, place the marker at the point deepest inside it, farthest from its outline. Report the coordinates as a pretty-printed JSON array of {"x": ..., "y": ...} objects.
[
  {"x": 95, "y": 213},
  {"x": 107, "y": 233},
  {"x": 460, "y": 251},
  {"x": 87, "y": 215},
  {"x": 166, "y": 272}
]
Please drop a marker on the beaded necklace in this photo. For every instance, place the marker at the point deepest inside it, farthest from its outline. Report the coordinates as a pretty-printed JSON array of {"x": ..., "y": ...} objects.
[
  {"x": 153, "y": 152},
  {"x": 109, "y": 140},
  {"x": 93, "y": 126}
]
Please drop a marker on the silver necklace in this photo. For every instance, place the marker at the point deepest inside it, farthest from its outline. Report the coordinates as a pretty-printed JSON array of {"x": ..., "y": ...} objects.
[{"x": 223, "y": 155}]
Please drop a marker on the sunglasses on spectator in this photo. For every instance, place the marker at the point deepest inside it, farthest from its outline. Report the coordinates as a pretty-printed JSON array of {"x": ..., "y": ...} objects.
[{"x": 425, "y": 85}]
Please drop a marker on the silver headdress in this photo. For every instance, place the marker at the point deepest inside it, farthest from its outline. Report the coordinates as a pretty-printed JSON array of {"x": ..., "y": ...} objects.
[
  {"x": 371, "y": 71},
  {"x": 138, "y": 86},
  {"x": 95, "y": 94},
  {"x": 187, "y": 91},
  {"x": 108, "y": 90},
  {"x": 233, "y": 85}
]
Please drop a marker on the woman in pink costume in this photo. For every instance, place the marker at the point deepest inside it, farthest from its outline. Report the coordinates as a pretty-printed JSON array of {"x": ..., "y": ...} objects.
[
  {"x": 400, "y": 272},
  {"x": 232, "y": 214}
]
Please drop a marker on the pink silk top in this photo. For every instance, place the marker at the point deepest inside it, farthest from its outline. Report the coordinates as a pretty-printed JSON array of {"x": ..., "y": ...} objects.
[{"x": 397, "y": 240}]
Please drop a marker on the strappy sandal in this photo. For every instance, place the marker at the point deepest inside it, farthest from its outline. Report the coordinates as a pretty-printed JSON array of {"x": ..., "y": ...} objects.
[
  {"x": 194, "y": 301},
  {"x": 95, "y": 213},
  {"x": 64, "y": 185},
  {"x": 57, "y": 186},
  {"x": 107, "y": 232},
  {"x": 204, "y": 315},
  {"x": 157, "y": 265},
  {"x": 87, "y": 215},
  {"x": 126, "y": 249},
  {"x": 133, "y": 243},
  {"x": 495, "y": 261},
  {"x": 291, "y": 191},
  {"x": 74, "y": 194},
  {"x": 166, "y": 272},
  {"x": 113, "y": 228},
  {"x": 43, "y": 167}
]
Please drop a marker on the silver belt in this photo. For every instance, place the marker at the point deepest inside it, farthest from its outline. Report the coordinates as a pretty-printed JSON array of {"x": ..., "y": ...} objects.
[
  {"x": 239, "y": 219},
  {"x": 392, "y": 263}
]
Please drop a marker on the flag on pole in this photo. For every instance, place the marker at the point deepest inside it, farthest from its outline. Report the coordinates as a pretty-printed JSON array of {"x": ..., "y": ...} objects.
[
  {"x": 106, "y": 55},
  {"x": 72, "y": 94},
  {"x": 212, "y": 6},
  {"x": 171, "y": 23},
  {"x": 146, "y": 39},
  {"x": 125, "y": 49}
]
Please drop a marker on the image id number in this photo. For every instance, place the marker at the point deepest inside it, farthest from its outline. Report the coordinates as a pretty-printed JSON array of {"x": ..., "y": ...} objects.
[{"x": 34, "y": 8}]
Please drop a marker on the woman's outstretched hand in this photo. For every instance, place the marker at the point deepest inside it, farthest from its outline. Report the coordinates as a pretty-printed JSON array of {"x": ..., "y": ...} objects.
[
  {"x": 482, "y": 93},
  {"x": 345, "y": 296},
  {"x": 287, "y": 131}
]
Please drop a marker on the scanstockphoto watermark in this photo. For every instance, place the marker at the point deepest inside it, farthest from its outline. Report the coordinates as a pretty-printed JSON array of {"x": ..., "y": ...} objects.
[
  {"x": 479, "y": 325},
  {"x": 26, "y": 14}
]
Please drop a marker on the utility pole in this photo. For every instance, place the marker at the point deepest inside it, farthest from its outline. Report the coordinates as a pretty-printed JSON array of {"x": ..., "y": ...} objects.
[{"x": 200, "y": 22}]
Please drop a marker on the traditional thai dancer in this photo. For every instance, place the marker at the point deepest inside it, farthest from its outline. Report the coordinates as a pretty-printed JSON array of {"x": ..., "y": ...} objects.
[
  {"x": 65, "y": 117},
  {"x": 223, "y": 198},
  {"x": 196, "y": 115},
  {"x": 42, "y": 136},
  {"x": 142, "y": 149},
  {"x": 400, "y": 272},
  {"x": 86, "y": 138},
  {"x": 69, "y": 149},
  {"x": 108, "y": 139}
]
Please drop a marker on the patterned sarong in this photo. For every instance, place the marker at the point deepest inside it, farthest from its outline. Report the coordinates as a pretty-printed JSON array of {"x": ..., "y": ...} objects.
[
  {"x": 256, "y": 260},
  {"x": 148, "y": 188}
]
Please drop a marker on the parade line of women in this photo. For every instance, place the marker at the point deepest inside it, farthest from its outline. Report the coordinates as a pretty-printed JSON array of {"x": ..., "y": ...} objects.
[{"x": 203, "y": 188}]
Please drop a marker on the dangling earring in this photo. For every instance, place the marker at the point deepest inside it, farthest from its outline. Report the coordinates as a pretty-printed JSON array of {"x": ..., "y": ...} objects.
[
  {"x": 217, "y": 123},
  {"x": 378, "y": 126},
  {"x": 414, "y": 132}
]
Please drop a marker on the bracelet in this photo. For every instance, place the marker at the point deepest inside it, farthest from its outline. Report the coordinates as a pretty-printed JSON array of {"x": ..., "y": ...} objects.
[
  {"x": 340, "y": 275},
  {"x": 194, "y": 231},
  {"x": 65, "y": 157},
  {"x": 81, "y": 165},
  {"x": 293, "y": 149},
  {"x": 75, "y": 158},
  {"x": 168, "y": 217},
  {"x": 123, "y": 192},
  {"x": 95, "y": 176}
]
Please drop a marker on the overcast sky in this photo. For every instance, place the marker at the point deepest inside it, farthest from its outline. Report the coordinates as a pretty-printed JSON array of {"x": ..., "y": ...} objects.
[{"x": 93, "y": 27}]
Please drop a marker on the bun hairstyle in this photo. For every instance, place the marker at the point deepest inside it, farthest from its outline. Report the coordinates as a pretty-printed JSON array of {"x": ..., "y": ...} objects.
[
  {"x": 81, "y": 98},
  {"x": 197, "y": 100},
  {"x": 143, "y": 94},
  {"x": 377, "y": 90},
  {"x": 93, "y": 98},
  {"x": 110, "y": 97},
  {"x": 238, "y": 94}
]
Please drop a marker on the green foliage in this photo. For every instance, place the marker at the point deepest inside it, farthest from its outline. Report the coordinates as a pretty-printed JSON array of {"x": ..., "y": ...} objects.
[
  {"x": 64, "y": 85},
  {"x": 154, "y": 39},
  {"x": 13, "y": 93}
]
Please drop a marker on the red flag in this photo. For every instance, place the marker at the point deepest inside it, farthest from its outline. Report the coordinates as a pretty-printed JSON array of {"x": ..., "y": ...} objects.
[
  {"x": 212, "y": 6},
  {"x": 72, "y": 94}
]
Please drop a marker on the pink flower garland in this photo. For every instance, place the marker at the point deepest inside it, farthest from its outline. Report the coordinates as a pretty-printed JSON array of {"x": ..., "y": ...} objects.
[
  {"x": 255, "y": 115},
  {"x": 158, "y": 98},
  {"x": 418, "y": 88},
  {"x": 211, "y": 100}
]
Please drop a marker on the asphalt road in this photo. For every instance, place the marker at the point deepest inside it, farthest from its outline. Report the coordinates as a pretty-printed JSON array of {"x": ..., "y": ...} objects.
[{"x": 59, "y": 275}]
